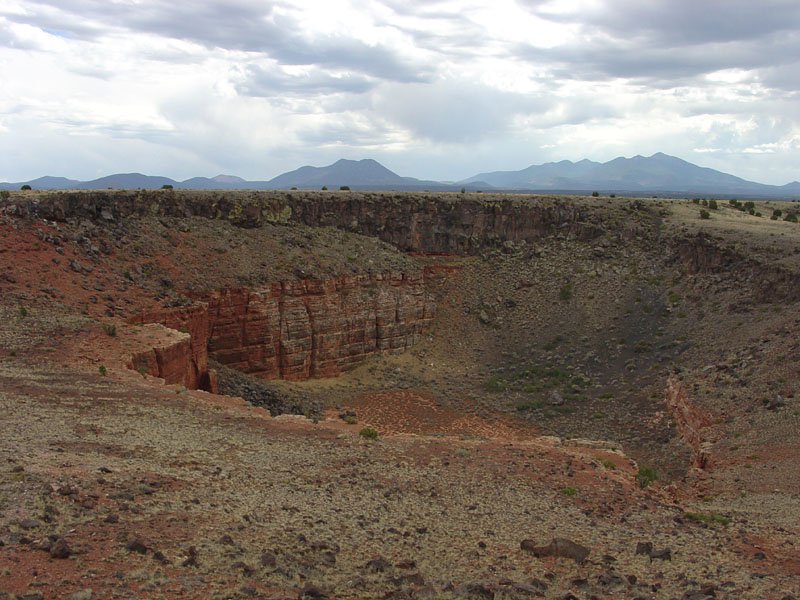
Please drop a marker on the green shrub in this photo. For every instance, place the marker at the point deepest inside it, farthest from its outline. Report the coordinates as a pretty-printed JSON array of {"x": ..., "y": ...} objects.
[
  {"x": 595, "y": 194},
  {"x": 5, "y": 194},
  {"x": 568, "y": 490},
  {"x": 704, "y": 214},
  {"x": 463, "y": 190},
  {"x": 102, "y": 369},
  {"x": 646, "y": 476},
  {"x": 350, "y": 420},
  {"x": 23, "y": 312},
  {"x": 110, "y": 329},
  {"x": 324, "y": 187},
  {"x": 712, "y": 204},
  {"x": 608, "y": 464},
  {"x": 612, "y": 195},
  {"x": 791, "y": 217},
  {"x": 166, "y": 186},
  {"x": 368, "y": 433},
  {"x": 705, "y": 202},
  {"x": 25, "y": 187},
  {"x": 710, "y": 519},
  {"x": 565, "y": 293},
  {"x": 344, "y": 188},
  {"x": 495, "y": 384},
  {"x": 696, "y": 200},
  {"x": 776, "y": 212}
]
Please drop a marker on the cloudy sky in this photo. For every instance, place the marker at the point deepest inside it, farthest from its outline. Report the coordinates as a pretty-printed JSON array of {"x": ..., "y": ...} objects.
[{"x": 431, "y": 89}]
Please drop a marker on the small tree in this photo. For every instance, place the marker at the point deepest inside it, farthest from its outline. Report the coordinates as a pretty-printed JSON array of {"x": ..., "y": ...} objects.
[
  {"x": 324, "y": 188},
  {"x": 166, "y": 186},
  {"x": 26, "y": 187},
  {"x": 595, "y": 194},
  {"x": 712, "y": 204},
  {"x": 704, "y": 214},
  {"x": 344, "y": 188}
]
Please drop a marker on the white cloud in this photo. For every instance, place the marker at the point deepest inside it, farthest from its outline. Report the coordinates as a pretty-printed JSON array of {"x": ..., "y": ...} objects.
[{"x": 437, "y": 89}]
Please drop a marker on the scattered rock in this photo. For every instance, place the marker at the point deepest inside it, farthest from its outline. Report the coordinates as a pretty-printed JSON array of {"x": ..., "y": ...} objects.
[
  {"x": 378, "y": 564},
  {"x": 665, "y": 554},
  {"x": 82, "y": 595},
  {"x": 312, "y": 591},
  {"x": 136, "y": 545},
  {"x": 557, "y": 547},
  {"x": 644, "y": 548},
  {"x": 60, "y": 549},
  {"x": 268, "y": 559},
  {"x": 476, "y": 590},
  {"x": 29, "y": 524}
]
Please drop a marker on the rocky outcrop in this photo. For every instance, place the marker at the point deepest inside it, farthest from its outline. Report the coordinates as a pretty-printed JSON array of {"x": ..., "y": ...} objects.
[
  {"x": 298, "y": 330},
  {"x": 689, "y": 421},
  {"x": 316, "y": 328},
  {"x": 430, "y": 223},
  {"x": 181, "y": 356},
  {"x": 768, "y": 283}
]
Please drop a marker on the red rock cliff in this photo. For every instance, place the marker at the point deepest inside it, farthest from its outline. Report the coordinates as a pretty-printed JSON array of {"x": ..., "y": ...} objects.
[
  {"x": 298, "y": 329},
  {"x": 316, "y": 328}
]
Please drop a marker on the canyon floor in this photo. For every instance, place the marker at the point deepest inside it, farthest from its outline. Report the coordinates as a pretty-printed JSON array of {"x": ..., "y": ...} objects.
[{"x": 563, "y": 370}]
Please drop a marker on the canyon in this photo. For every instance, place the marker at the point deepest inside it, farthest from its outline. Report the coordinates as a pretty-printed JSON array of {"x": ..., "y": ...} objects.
[{"x": 519, "y": 358}]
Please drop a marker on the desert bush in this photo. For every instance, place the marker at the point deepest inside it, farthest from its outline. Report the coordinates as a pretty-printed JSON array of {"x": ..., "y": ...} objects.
[
  {"x": 776, "y": 212},
  {"x": 704, "y": 214},
  {"x": 705, "y": 202},
  {"x": 565, "y": 293},
  {"x": 712, "y": 204},
  {"x": 608, "y": 464},
  {"x": 368, "y": 433},
  {"x": 646, "y": 476},
  {"x": 344, "y": 188},
  {"x": 708, "y": 518},
  {"x": 166, "y": 186},
  {"x": 324, "y": 188},
  {"x": 612, "y": 195},
  {"x": 568, "y": 490},
  {"x": 350, "y": 420},
  {"x": 595, "y": 194},
  {"x": 102, "y": 370},
  {"x": 495, "y": 384},
  {"x": 5, "y": 194},
  {"x": 25, "y": 187},
  {"x": 110, "y": 329},
  {"x": 696, "y": 200},
  {"x": 791, "y": 217},
  {"x": 463, "y": 190}
]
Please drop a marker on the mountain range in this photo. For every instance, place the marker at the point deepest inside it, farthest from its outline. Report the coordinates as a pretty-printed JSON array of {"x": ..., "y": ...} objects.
[{"x": 638, "y": 175}]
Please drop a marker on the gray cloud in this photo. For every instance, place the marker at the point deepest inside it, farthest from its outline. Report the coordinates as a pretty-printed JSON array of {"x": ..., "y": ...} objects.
[
  {"x": 265, "y": 82},
  {"x": 449, "y": 111},
  {"x": 243, "y": 25}
]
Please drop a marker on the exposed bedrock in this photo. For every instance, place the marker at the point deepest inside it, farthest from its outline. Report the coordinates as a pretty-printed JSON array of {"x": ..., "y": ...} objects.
[
  {"x": 768, "y": 283},
  {"x": 689, "y": 420},
  {"x": 426, "y": 223},
  {"x": 303, "y": 329}
]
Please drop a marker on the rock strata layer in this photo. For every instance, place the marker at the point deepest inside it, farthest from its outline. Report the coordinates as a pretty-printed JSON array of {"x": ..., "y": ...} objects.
[{"x": 297, "y": 330}]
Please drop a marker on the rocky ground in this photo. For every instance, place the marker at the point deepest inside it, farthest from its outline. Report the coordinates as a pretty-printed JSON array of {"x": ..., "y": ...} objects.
[{"x": 509, "y": 440}]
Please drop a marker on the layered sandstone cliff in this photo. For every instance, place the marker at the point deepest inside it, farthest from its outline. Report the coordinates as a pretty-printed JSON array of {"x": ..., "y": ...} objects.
[
  {"x": 179, "y": 353},
  {"x": 298, "y": 330}
]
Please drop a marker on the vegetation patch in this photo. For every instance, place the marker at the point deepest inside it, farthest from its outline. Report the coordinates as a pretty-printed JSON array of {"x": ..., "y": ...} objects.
[{"x": 708, "y": 518}]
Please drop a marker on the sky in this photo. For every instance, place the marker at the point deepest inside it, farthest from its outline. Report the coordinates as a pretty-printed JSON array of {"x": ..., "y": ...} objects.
[{"x": 431, "y": 89}]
